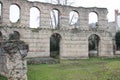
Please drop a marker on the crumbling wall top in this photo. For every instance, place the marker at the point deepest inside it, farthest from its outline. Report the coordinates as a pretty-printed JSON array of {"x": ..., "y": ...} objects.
[{"x": 45, "y": 17}]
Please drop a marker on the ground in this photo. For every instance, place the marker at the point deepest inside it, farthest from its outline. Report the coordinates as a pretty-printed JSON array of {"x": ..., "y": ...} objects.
[
  {"x": 87, "y": 69},
  {"x": 2, "y": 77}
]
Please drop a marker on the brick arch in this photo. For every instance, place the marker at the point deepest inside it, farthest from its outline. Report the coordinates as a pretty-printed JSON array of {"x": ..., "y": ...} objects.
[
  {"x": 36, "y": 7},
  {"x": 75, "y": 11},
  {"x": 97, "y": 13},
  {"x": 95, "y": 34},
  {"x": 95, "y": 10},
  {"x": 57, "y": 10},
  {"x": 88, "y": 35},
  {"x": 57, "y": 34},
  {"x": 16, "y": 5}
]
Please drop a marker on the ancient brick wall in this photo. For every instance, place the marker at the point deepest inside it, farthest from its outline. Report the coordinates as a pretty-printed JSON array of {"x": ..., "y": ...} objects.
[{"x": 74, "y": 42}]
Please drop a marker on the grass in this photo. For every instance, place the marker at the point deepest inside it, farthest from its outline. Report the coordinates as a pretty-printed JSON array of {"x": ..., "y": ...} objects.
[
  {"x": 87, "y": 69},
  {"x": 2, "y": 77}
]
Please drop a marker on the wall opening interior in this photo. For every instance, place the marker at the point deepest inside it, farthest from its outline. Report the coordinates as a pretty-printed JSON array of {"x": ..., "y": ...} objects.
[
  {"x": 17, "y": 35},
  {"x": 74, "y": 18},
  {"x": 55, "y": 45},
  {"x": 54, "y": 22},
  {"x": 93, "y": 20},
  {"x": 14, "y": 13},
  {"x": 116, "y": 45},
  {"x": 94, "y": 45},
  {"x": 117, "y": 41},
  {"x": 1, "y": 38},
  {"x": 34, "y": 17}
]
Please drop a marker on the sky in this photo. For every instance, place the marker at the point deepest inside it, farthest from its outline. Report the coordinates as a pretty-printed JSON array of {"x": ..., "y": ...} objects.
[{"x": 111, "y": 5}]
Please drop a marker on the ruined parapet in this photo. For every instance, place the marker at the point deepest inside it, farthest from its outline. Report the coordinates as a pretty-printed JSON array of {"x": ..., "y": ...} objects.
[
  {"x": 12, "y": 58},
  {"x": 45, "y": 10}
]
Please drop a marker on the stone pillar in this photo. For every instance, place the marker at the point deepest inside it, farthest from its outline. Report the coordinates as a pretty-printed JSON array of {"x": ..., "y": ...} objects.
[
  {"x": 14, "y": 59},
  {"x": 17, "y": 67}
]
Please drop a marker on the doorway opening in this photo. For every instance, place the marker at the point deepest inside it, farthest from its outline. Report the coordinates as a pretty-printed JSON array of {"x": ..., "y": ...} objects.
[
  {"x": 55, "y": 45},
  {"x": 94, "y": 45}
]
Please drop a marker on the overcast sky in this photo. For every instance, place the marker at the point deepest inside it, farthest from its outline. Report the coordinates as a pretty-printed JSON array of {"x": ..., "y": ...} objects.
[{"x": 110, "y": 4}]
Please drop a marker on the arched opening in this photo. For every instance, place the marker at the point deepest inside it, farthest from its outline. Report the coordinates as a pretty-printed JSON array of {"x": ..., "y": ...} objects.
[
  {"x": 54, "y": 23},
  {"x": 14, "y": 13},
  {"x": 17, "y": 35},
  {"x": 118, "y": 20},
  {"x": 0, "y": 8},
  {"x": 94, "y": 44},
  {"x": 93, "y": 20},
  {"x": 117, "y": 40},
  {"x": 116, "y": 45},
  {"x": 74, "y": 18},
  {"x": 34, "y": 17},
  {"x": 14, "y": 36},
  {"x": 0, "y": 12},
  {"x": 55, "y": 45},
  {"x": 1, "y": 35}
]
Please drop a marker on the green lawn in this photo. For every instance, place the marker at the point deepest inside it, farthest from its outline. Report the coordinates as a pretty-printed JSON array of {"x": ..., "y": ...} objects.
[
  {"x": 87, "y": 69},
  {"x": 2, "y": 77}
]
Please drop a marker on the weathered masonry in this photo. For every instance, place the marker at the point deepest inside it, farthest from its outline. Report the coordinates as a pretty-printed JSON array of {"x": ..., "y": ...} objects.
[{"x": 73, "y": 33}]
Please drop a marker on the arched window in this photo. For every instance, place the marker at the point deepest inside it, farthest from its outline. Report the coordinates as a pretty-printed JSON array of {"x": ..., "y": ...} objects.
[
  {"x": 0, "y": 34},
  {"x": 54, "y": 19},
  {"x": 0, "y": 12},
  {"x": 93, "y": 20},
  {"x": 14, "y": 13},
  {"x": 73, "y": 18},
  {"x": 34, "y": 17},
  {"x": 118, "y": 20},
  {"x": 0, "y": 9}
]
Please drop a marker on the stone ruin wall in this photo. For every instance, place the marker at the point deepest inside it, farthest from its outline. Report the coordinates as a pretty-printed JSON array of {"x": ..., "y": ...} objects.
[
  {"x": 13, "y": 68},
  {"x": 13, "y": 52},
  {"x": 74, "y": 44}
]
